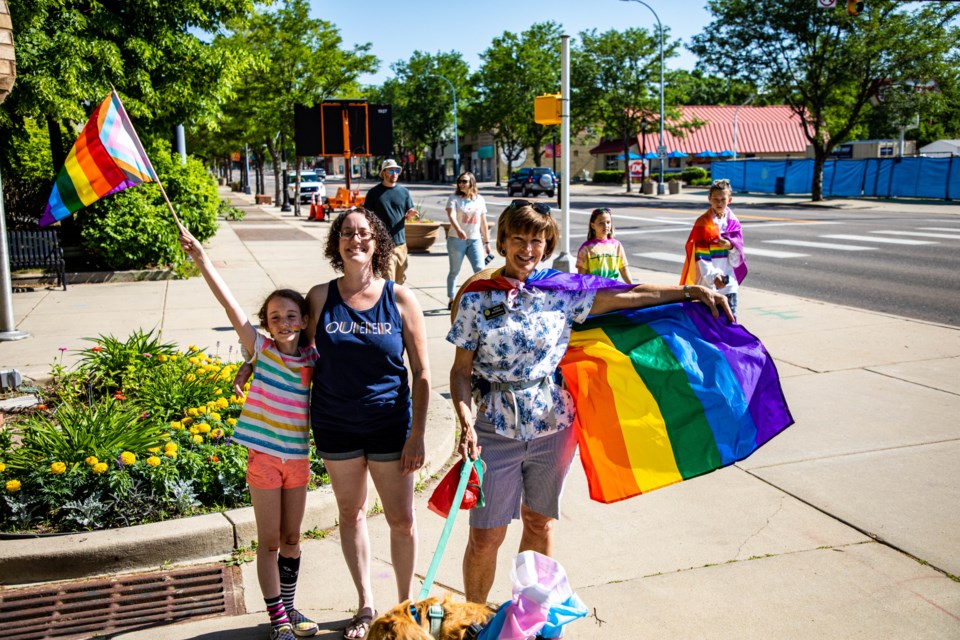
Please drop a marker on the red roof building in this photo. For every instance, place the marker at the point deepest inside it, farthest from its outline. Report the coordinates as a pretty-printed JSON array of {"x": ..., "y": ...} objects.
[{"x": 767, "y": 131}]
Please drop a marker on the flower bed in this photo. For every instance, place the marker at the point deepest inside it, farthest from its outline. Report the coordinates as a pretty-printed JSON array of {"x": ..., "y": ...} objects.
[{"x": 136, "y": 432}]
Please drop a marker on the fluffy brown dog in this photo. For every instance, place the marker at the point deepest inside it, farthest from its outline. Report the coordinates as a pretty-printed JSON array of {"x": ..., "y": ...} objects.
[{"x": 400, "y": 624}]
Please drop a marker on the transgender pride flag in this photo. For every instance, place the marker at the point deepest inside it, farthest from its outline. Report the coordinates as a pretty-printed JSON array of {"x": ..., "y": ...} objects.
[{"x": 105, "y": 159}]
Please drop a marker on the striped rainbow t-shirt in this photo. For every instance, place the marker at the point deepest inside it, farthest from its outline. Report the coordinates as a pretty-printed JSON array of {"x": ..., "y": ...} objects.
[
  {"x": 601, "y": 257},
  {"x": 275, "y": 417}
]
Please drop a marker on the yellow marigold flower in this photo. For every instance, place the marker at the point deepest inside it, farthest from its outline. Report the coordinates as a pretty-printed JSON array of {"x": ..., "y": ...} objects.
[
  {"x": 192, "y": 411},
  {"x": 91, "y": 460},
  {"x": 187, "y": 421},
  {"x": 176, "y": 426},
  {"x": 197, "y": 439},
  {"x": 193, "y": 348},
  {"x": 204, "y": 428},
  {"x": 234, "y": 399},
  {"x": 3, "y": 467},
  {"x": 170, "y": 446},
  {"x": 216, "y": 433},
  {"x": 162, "y": 358},
  {"x": 218, "y": 392},
  {"x": 191, "y": 377},
  {"x": 173, "y": 358},
  {"x": 222, "y": 402},
  {"x": 232, "y": 422},
  {"x": 170, "y": 454},
  {"x": 100, "y": 467},
  {"x": 194, "y": 430},
  {"x": 154, "y": 449},
  {"x": 201, "y": 410},
  {"x": 214, "y": 416},
  {"x": 201, "y": 371},
  {"x": 194, "y": 360},
  {"x": 58, "y": 468},
  {"x": 246, "y": 387},
  {"x": 13, "y": 486},
  {"x": 127, "y": 458},
  {"x": 153, "y": 461}
]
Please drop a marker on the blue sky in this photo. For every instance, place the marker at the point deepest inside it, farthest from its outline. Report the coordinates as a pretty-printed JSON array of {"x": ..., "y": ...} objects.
[{"x": 397, "y": 29}]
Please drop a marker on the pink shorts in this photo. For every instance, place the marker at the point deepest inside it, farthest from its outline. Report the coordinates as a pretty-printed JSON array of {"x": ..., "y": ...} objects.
[{"x": 265, "y": 471}]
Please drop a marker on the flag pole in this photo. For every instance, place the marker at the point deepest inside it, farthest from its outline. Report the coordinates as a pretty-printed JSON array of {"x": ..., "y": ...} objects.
[{"x": 143, "y": 153}]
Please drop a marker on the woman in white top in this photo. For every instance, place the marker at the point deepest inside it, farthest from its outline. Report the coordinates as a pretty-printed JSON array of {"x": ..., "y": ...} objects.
[{"x": 468, "y": 235}]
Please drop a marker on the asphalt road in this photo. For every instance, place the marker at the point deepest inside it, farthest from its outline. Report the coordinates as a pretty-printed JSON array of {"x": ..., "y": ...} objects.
[{"x": 889, "y": 261}]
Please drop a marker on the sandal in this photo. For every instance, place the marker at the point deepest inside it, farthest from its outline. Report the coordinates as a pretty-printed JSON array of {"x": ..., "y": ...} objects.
[{"x": 359, "y": 626}]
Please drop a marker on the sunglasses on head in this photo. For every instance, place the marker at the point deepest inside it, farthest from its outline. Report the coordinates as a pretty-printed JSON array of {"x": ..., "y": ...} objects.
[
  {"x": 540, "y": 207},
  {"x": 463, "y": 181}
]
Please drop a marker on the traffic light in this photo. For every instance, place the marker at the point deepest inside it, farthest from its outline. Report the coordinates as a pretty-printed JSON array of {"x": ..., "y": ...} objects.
[
  {"x": 854, "y": 8},
  {"x": 546, "y": 109}
]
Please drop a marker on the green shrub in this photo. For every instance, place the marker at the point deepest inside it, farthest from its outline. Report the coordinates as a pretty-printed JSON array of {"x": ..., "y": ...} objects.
[
  {"x": 701, "y": 182},
  {"x": 135, "y": 229},
  {"x": 607, "y": 176},
  {"x": 690, "y": 174}
]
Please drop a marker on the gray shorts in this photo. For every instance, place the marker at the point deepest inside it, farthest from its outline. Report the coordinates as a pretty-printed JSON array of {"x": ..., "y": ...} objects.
[{"x": 533, "y": 471}]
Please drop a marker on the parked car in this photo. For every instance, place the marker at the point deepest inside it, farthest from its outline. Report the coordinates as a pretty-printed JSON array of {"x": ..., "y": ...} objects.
[
  {"x": 311, "y": 183},
  {"x": 531, "y": 181}
]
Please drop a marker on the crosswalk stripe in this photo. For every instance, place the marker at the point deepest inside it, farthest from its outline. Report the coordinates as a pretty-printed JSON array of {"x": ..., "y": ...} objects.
[
  {"x": 661, "y": 255},
  {"x": 950, "y": 229},
  {"x": 841, "y": 236},
  {"x": 821, "y": 245},
  {"x": 769, "y": 253},
  {"x": 638, "y": 232},
  {"x": 920, "y": 235}
]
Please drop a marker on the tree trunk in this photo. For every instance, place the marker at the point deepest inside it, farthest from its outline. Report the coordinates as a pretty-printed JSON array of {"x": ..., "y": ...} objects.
[
  {"x": 278, "y": 179},
  {"x": 819, "y": 158},
  {"x": 626, "y": 163}
]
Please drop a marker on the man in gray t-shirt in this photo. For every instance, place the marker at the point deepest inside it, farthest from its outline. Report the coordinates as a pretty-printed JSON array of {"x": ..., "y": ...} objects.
[{"x": 392, "y": 204}]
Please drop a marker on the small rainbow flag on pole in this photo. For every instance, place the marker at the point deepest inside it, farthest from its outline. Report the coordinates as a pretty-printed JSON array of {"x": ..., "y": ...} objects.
[
  {"x": 668, "y": 393},
  {"x": 105, "y": 159}
]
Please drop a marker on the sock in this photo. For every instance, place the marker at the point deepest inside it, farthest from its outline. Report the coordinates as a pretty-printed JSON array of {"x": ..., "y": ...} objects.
[
  {"x": 276, "y": 611},
  {"x": 289, "y": 572}
]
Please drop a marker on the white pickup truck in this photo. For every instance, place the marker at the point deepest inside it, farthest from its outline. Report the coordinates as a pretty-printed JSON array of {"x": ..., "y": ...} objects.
[{"x": 310, "y": 184}]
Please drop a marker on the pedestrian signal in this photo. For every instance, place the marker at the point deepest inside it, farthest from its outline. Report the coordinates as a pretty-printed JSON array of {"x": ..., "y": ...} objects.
[
  {"x": 854, "y": 8},
  {"x": 546, "y": 109}
]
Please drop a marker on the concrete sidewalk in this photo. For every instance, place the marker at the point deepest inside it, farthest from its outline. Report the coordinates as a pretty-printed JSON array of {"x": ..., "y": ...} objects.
[{"x": 844, "y": 526}]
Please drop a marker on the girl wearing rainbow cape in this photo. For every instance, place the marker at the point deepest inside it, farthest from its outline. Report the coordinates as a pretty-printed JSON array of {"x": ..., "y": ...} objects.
[
  {"x": 714, "y": 250},
  {"x": 511, "y": 332}
]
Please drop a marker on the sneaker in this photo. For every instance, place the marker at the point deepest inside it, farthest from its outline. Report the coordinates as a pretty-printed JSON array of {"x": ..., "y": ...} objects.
[
  {"x": 303, "y": 626},
  {"x": 282, "y": 632}
]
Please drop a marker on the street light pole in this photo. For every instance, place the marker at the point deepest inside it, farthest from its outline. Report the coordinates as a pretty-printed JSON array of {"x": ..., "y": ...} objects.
[
  {"x": 456, "y": 133},
  {"x": 660, "y": 151}
]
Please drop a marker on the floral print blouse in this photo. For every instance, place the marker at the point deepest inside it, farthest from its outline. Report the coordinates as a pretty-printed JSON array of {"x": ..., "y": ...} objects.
[{"x": 520, "y": 336}]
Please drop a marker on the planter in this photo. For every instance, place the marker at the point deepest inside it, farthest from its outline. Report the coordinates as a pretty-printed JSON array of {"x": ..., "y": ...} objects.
[
  {"x": 674, "y": 187},
  {"x": 650, "y": 187},
  {"x": 421, "y": 236}
]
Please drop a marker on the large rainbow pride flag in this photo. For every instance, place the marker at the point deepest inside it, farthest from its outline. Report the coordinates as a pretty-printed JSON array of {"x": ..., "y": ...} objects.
[
  {"x": 105, "y": 159},
  {"x": 663, "y": 394}
]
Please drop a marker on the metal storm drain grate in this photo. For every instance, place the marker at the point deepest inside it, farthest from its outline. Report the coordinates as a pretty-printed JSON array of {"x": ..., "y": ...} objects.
[{"x": 92, "y": 607}]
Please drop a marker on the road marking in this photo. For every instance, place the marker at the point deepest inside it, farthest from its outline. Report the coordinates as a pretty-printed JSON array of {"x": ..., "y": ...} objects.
[
  {"x": 820, "y": 245},
  {"x": 768, "y": 253},
  {"x": 637, "y": 232},
  {"x": 919, "y": 235},
  {"x": 661, "y": 255},
  {"x": 950, "y": 229},
  {"x": 767, "y": 225},
  {"x": 841, "y": 236}
]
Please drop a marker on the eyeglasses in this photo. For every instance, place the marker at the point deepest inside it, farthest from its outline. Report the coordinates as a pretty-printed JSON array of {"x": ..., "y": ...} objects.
[
  {"x": 393, "y": 172},
  {"x": 540, "y": 207},
  {"x": 363, "y": 234}
]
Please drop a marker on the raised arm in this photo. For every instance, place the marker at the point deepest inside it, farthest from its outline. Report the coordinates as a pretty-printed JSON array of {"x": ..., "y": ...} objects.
[{"x": 239, "y": 320}]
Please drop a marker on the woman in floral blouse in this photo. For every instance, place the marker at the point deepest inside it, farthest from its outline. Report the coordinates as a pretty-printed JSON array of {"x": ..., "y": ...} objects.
[{"x": 510, "y": 339}]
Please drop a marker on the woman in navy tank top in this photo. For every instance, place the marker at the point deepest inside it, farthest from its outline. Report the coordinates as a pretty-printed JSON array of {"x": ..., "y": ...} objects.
[{"x": 362, "y": 412}]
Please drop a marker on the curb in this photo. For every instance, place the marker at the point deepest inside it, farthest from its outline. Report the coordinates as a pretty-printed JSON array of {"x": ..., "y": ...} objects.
[{"x": 203, "y": 538}]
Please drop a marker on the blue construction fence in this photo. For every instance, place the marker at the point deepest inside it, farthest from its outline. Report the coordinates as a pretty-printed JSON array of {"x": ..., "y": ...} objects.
[{"x": 937, "y": 178}]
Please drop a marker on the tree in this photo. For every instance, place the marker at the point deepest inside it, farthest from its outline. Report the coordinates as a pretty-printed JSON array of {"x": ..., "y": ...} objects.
[
  {"x": 297, "y": 60},
  {"x": 514, "y": 71},
  {"x": 697, "y": 88},
  {"x": 423, "y": 107},
  {"x": 616, "y": 78},
  {"x": 823, "y": 63}
]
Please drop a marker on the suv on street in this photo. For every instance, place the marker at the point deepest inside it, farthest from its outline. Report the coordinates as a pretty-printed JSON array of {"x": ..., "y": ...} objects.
[
  {"x": 532, "y": 180},
  {"x": 311, "y": 183}
]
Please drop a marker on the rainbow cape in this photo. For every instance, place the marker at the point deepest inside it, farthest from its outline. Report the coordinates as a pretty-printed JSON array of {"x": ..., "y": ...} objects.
[
  {"x": 105, "y": 159},
  {"x": 663, "y": 394},
  {"x": 700, "y": 246}
]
